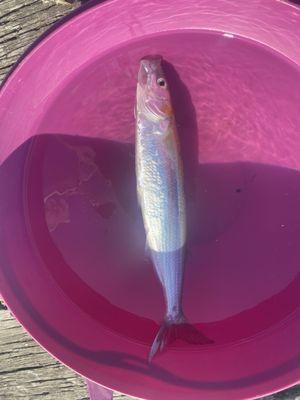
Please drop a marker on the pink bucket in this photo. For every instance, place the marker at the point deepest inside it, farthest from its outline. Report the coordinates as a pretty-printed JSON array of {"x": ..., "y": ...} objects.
[{"x": 72, "y": 262}]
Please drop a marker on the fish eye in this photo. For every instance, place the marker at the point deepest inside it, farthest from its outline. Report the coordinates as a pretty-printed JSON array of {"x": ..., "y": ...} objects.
[{"x": 161, "y": 82}]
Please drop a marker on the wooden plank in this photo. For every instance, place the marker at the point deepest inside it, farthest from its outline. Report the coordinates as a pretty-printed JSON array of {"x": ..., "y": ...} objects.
[
  {"x": 21, "y": 22},
  {"x": 27, "y": 372}
]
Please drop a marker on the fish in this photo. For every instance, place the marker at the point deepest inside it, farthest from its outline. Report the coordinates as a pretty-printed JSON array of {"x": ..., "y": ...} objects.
[{"x": 160, "y": 193}]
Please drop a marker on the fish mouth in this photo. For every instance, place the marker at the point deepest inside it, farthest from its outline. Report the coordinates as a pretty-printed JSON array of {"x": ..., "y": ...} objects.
[{"x": 149, "y": 65}]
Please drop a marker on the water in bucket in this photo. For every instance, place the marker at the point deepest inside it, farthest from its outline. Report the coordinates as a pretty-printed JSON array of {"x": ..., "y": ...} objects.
[{"x": 241, "y": 189}]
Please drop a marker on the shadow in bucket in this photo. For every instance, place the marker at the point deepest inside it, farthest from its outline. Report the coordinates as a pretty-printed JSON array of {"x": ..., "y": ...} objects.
[{"x": 249, "y": 202}]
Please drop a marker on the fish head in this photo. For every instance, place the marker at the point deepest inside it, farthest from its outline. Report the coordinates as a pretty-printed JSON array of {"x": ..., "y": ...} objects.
[{"x": 153, "y": 96}]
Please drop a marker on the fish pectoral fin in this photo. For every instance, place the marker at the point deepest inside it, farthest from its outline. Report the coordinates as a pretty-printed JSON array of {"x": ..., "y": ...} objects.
[
  {"x": 139, "y": 196},
  {"x": 147, "y": 247}
]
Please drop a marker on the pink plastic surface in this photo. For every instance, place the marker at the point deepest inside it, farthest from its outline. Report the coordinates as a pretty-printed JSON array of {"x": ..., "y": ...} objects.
[
  {"x": 97, "y": 392},
  {"x": 72, "y": 263}
]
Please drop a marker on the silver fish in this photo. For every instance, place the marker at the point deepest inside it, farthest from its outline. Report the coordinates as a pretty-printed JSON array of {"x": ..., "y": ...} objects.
[{"x": 160, "y": 191}]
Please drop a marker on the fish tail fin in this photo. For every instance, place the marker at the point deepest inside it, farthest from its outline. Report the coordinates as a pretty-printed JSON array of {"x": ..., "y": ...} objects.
[{"x": 170, "y": 331}]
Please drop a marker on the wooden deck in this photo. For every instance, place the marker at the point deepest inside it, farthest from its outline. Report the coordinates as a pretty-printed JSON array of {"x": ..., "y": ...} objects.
[{"x": 27, "y": 372}]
